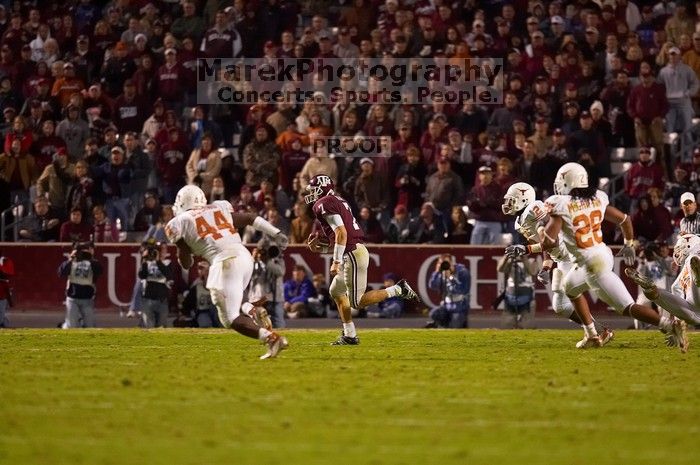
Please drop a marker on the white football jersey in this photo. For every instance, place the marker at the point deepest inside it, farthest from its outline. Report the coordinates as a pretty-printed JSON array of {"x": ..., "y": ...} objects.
[
  {"x": 534, "y": 217},
  {"x": 683, "y": 285},
  {"x": 582, "y": 220},
  {"x": 208, "y": 231}
]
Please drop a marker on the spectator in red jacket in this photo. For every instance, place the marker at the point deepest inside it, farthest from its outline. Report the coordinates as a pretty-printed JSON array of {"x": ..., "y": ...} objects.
[
  {"x": 647, "y": 105},
  {"x": 171, "y": 160},
  {"x": 485, "y": 205},
  {"x": 19, "y": 131},
  {"x": 652, "y": 221},
  {"x": 642, "y": 176},
  {"x": 170, "y": 78},
  {"x": 7, "y": 272},
  {"x": 75, "y": 229}
]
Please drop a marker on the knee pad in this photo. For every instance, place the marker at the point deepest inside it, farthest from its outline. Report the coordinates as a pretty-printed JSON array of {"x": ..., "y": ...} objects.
[
  {"x": 219, "y": 300},
  {"x": 557, "y": 280},
  {"x": 562, "y": 305}
]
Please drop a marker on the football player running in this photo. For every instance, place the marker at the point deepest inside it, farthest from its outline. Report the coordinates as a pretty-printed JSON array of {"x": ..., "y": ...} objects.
[
  {"x": 350, "y": 256},
  {"x": 531, "y": 216},
  {"x": 578, "y": 212},
  {"x": 211, "y": 232},
  {"x": 684, "y": 299}
]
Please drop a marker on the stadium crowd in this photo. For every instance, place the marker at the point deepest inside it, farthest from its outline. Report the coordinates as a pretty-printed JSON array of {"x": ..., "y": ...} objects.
[{"x": 101, "y": 124}]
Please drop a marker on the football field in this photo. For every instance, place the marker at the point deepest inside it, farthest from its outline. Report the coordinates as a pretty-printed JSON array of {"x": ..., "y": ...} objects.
[{"x": 401, "y": 397}]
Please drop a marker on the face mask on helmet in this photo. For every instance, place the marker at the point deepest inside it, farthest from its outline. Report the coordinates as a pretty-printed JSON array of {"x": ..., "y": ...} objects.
[
  {"x": 518, "y": 197},
  {"x": 318, "y": 187},
  {"x": 314, "y": 194},
  {"x": 687, "y": 244}
]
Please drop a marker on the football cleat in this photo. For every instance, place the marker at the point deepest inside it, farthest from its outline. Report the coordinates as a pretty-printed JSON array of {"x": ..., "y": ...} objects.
[
  {"x": 645, "y": 283},
  {"x": 678, "y": 330},
  {"x": 344, "y": 340},
  {"x": 589, "y": 342},
  {"x": 275, "y": 344},
  {"x": 406, "y": 291},
  {"x": 262, "y": 318},
  {"x": 695, "y": 269},
  {"x": 670, "y": 340},
  {"x": 606, "y": 336}
]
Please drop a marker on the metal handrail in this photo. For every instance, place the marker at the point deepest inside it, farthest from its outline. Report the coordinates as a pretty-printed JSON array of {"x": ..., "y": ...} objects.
[{"x": 14, "y": 225}]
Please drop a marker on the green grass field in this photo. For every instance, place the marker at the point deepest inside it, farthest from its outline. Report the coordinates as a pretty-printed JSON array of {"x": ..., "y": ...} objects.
[{"x": 402, "y": 397}]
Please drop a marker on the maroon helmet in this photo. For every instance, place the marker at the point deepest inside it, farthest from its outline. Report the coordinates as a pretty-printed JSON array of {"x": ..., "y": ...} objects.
[{"x": 319, "y": 186}]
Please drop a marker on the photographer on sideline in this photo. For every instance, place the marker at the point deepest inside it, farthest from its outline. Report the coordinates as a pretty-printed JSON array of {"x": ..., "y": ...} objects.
[
  {"x": 197, "y": 302},
  {"x": 453, "y": 280},
  {"x": 82, "y": 270},
  {"x": 519, "y": 292},
  {"x": 155, "y": 276},
  {"x": 267, "y": 282}
]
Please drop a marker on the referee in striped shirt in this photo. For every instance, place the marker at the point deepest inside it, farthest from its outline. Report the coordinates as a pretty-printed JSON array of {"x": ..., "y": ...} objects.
[{"x": 690, "y": 224}]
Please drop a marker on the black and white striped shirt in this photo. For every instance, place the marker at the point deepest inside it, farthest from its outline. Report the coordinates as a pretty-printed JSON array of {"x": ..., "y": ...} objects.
[{"x": 690, "y": 224}]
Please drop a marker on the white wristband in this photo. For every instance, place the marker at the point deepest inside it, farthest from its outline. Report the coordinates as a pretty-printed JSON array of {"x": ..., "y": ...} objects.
[
  {"x": 338, "y": 251},
  {"x": 261, "y": 224},
  {"x": 629, "y": 242}
]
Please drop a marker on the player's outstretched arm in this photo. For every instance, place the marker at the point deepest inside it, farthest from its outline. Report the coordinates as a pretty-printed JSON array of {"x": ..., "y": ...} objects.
[
  {"x": 184, "y": 254},
  {"x": 614, "y": 215},
  {"x": 550, "y": 237},
  {"x": 241, "y": 220}
]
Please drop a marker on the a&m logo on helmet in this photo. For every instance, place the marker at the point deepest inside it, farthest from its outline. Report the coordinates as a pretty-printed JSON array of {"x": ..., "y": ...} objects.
[{"x": 319, "y": 186}]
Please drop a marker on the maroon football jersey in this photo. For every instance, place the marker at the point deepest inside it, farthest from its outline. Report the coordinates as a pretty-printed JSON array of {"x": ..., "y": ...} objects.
[{"x": 335, "y": 205}]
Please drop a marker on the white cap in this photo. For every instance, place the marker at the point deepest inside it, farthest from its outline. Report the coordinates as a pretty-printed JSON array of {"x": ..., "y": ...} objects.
[
  {"x": 597, "y": 104},
  {"x": 557, "y": 20},
  {"x": 687, "y": 196},
  {"x": 673, "y": 50},
  {"x": 366, "y": 160}
]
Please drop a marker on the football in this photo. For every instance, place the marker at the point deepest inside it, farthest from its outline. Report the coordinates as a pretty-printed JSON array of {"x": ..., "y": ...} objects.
[{"x": 322, "y": 239}]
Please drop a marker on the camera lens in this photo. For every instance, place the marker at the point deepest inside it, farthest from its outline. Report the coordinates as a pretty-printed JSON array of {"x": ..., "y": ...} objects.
[
  {"x": 273, "y": 251},
  {"x": 445, "y": 265}
]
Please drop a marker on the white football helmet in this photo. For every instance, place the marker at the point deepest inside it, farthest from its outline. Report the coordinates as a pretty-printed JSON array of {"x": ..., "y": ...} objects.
[
  {"x": 518, "y": 196},
  {"x": 686, "y": 245},
  {"x": 189, "y": 198},
  {"x": 570, "y": 176}
]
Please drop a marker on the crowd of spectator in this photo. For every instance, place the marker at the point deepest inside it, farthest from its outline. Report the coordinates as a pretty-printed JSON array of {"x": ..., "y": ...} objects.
[{"x": 101, "y": 123}]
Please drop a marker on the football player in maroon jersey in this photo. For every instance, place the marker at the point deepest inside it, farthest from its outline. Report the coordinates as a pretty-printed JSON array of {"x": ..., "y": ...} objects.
[{"x": 335, "y": 224}]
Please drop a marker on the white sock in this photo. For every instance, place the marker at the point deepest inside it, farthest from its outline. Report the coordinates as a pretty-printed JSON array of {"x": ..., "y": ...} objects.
[
  {"x": 393, "y": 291},
  {"x": 263, "y": 334},
  {"x": 349, "y": 329},
  {"x": 246, "y": 308},
  {"x": 590, "y": 330},
  {"x": 665, "y": 324}
]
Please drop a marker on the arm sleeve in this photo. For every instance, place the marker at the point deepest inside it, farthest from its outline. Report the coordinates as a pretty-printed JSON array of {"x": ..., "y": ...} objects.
[
  {"x": 143, "y": 272},
  {"x": 64, "y": 269},
  {"x": 435, "y": 280},
  {"x": 334, "y": 220}
]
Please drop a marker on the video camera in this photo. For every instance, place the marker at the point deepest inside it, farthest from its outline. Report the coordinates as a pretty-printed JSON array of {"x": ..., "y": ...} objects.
[
  {"x": 267, "y": 249},
  {"x": 150, "y": 249},
  {"x": 83, "y": 250}
]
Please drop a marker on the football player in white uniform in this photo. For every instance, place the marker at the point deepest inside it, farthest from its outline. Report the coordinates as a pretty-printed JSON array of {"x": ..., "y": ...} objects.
[
  {"x": 211, "y": 232},
  {"x": 531, "y": 216},
  {"x": 684, "y": 299},
  {"x": 578, "y": 211}
]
